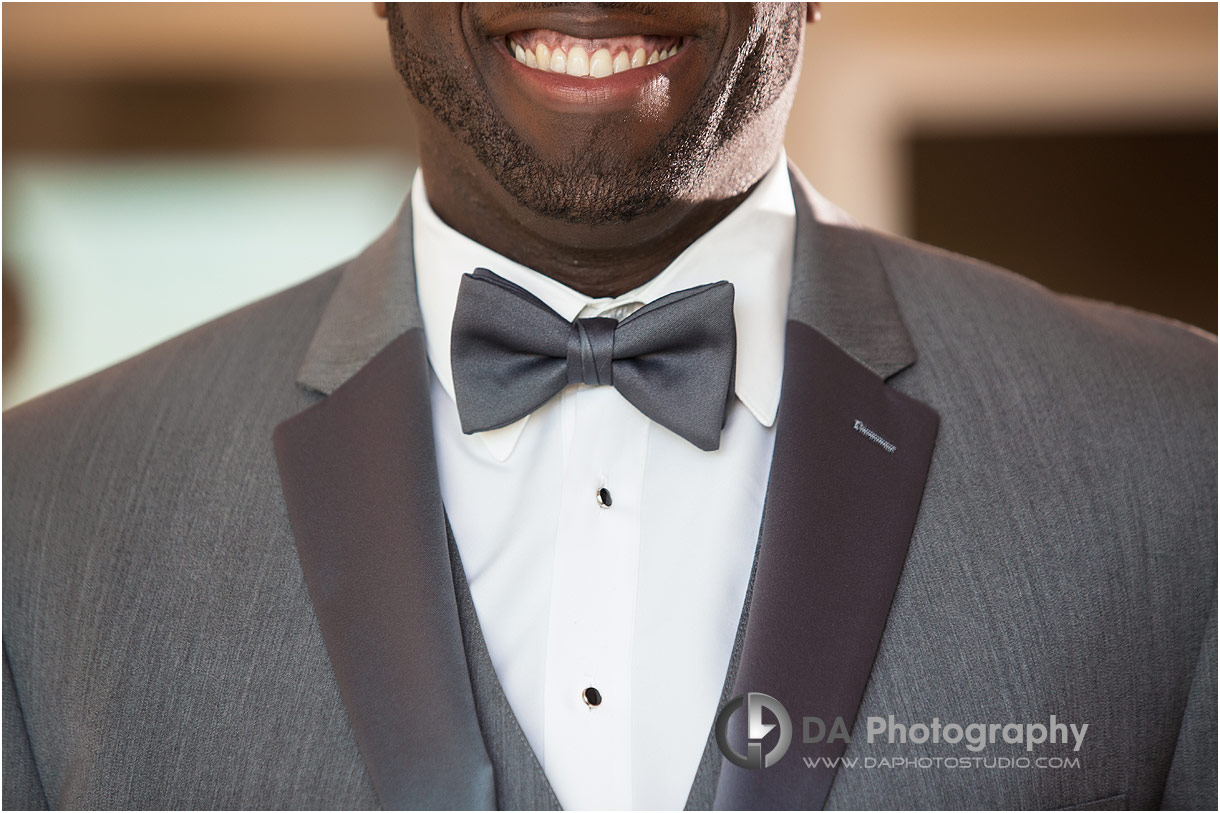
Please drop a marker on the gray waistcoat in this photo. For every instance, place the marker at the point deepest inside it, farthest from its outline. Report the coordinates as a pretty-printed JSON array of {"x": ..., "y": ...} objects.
[{"x": 520, "y": 781}]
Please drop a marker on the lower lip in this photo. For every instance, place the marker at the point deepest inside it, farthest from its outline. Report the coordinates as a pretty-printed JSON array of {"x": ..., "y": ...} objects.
[{"x": 584, "y": 93}]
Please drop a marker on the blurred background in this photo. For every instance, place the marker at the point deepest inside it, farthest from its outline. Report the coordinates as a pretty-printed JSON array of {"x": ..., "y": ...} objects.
[{"x": 164, "y": 163}]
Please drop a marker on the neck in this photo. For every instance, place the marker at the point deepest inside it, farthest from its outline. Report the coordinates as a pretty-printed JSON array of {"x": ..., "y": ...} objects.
[{"x": 603, "y": 260}]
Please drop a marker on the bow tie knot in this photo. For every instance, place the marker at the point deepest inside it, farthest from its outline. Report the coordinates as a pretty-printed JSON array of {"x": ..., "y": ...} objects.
[
  {"x": 673, "y": 359},
  {"x": 591, "y": 351}
]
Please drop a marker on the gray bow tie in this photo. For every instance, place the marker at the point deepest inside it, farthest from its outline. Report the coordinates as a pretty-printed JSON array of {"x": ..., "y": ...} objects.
[{"x": 673, "y": 359}]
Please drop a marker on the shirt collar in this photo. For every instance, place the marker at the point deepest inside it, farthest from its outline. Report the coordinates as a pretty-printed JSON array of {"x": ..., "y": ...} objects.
[{"x": 752, "y": 248}]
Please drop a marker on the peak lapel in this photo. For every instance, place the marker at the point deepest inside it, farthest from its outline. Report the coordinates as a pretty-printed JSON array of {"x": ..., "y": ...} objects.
[
  {"x": 847, "y": 477},
  {"x": 358, "y": 472}
]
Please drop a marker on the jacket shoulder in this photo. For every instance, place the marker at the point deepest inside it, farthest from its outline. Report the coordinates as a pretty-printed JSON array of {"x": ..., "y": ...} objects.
[
  {"x": 149, "y": 562},
  {"x": 1022, "y": 373},
  {"x": 185, "y": 410},
  {"x": 950, "y": 300}
]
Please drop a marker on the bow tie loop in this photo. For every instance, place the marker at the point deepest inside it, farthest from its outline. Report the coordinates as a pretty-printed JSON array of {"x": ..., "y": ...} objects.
[
  {"x": 673, "y": 359},
  {"x": 591, "y": 351}
]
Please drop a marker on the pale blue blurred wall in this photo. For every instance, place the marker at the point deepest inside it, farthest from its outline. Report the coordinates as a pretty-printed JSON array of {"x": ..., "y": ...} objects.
[{"x": 109, "y": 258}]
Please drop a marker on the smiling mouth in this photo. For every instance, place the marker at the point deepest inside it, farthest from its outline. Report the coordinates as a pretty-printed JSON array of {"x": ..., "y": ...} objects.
[{"x": 552, "y": 52}]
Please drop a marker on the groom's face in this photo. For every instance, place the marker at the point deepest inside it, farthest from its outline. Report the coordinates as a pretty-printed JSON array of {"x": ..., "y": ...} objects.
[{"x": 588, "y": 112}]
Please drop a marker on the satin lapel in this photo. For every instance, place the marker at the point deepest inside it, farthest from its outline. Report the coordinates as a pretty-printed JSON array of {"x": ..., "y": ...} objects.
[
  {"x": 839, "y": 515},
  {"x": 358, "y": 471},
  {"x": 847, "y": 477}
]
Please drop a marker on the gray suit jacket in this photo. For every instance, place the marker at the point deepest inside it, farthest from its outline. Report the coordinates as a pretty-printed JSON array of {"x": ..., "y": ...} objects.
[{"x": 196, "y": 616}]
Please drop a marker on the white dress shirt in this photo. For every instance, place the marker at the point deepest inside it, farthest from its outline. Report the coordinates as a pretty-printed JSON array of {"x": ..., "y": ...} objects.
[{"x": 639, "y": 600}]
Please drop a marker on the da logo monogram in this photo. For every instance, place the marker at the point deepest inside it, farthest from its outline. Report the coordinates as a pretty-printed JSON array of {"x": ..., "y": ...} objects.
[{"x": 754, "y": 702}]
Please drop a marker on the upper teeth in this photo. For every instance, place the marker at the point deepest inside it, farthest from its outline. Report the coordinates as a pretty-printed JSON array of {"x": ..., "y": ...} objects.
[{"x": 575, "y": 60}]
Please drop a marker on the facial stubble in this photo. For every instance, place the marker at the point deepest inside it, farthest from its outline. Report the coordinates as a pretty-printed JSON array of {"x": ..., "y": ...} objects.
[{"x": 595, "y": 184}]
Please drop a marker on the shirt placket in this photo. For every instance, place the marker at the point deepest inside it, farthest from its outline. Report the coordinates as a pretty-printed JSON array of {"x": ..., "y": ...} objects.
[{"x": 592, "y": 614}]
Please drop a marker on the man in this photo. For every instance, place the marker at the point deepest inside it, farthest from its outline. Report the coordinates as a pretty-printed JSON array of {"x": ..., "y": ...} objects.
[{"x": 688, "y": 445}]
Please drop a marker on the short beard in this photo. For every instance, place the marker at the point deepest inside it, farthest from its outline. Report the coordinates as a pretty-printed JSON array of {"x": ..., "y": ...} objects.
[{"x": 590, "y": 186}]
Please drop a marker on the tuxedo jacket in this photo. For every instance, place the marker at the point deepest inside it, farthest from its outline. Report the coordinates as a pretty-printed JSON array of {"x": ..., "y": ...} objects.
[{"x": 228, "y": 581}]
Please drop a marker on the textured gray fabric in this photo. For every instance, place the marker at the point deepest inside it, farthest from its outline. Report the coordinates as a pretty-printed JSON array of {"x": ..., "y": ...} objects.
[
  {"x": 703, "y": 788},
  {"x": 164, "y": 651},
  {"x": 163, "y": 646},
  {"x": 22, "y": 787},
  {"x": 362, "y": 494},
  {"x": 1064, "y": 559},
  {"x": 374, "y": 303},
  {"x": 1194, "y": 758},
  {"x": 520, "y": 781},
  {"x": 673, "y": 359},
  {"x": 831, "y": 300}
]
